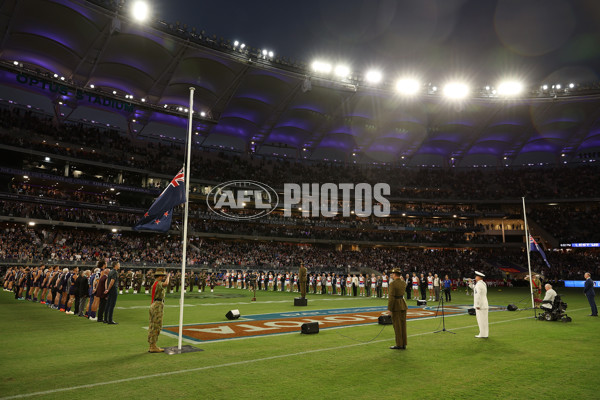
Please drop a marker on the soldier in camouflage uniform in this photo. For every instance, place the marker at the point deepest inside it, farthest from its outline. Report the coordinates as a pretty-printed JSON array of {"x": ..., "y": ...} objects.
[
  {"x": 156, "y": 309},
  {"x": 170, "y": 284},
  {"x": 177, "y": 281},
  {"x": 212, "y": 282}
]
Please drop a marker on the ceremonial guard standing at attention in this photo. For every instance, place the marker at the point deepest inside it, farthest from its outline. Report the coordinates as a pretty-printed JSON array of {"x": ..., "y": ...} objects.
[
  {"x": 480, "y": 303},
  {"x": 302, "y": 280},
  {"x": 397, "y": 307},
  {"x": 156, "y": 309}
]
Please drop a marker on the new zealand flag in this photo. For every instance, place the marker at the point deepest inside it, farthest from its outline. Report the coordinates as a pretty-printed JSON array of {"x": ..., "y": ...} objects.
[
  {"x": 159, "y": 216},
  {"x": 534, "y": 246}
]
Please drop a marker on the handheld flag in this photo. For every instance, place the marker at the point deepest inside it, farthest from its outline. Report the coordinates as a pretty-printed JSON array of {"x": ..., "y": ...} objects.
[
  {"x": 159, "y": 216},
  {"x": 534, "y": 246}
]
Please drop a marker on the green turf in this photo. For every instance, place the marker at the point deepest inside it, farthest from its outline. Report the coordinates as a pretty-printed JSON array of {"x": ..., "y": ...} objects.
[{"x": 45, "y": 350}]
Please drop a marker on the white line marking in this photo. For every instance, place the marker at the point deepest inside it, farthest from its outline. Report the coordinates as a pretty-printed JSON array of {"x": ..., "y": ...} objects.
[{"x": 233, "y": 364}]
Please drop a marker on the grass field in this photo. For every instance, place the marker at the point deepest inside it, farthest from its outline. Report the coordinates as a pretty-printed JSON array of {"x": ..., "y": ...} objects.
[{"x": 47, "y": 354}]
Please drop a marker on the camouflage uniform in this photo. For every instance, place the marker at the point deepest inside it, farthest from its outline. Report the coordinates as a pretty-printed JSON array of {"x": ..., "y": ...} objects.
[
  {"x": 122, "y": 278},
  {"x": 202, "y": 282},
  {"x": 137, "y": 282},
  {"x": 156, "y": 313},
  {"x": 128, "y": 281}
]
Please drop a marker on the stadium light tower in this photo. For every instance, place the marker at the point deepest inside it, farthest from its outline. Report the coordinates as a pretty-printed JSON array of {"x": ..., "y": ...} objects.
[
  {"x": 140, "y": 11},
  {"x": 456, "y": 90},
  {"x": 510, "y": 88},
  {"x": 407, "y": 86},
  {"x": 321, "y": 67}
]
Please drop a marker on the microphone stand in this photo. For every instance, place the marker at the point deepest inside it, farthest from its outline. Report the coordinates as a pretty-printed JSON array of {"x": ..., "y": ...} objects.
[{"x": 443, "y": 318}]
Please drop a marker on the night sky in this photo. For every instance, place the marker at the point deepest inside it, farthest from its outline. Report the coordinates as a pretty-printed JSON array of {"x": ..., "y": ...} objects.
[{"x": 478, "y": 40}]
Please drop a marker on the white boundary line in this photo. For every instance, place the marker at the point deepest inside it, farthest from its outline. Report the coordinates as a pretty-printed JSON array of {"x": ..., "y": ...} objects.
[{"x": 233, "y": 364}]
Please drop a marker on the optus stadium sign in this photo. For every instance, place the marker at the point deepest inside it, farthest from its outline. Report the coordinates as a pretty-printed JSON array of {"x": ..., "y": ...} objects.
[{"x": 247, "y": 199}]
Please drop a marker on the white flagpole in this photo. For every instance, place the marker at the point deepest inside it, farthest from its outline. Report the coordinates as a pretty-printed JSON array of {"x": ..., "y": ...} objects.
[
  {"x": 185, "y": 215},
  {"x": 528, "y": 247}
]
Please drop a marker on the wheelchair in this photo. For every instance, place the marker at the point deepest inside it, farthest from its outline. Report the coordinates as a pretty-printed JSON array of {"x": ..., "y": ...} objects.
[{"x": 554, "y": 310}]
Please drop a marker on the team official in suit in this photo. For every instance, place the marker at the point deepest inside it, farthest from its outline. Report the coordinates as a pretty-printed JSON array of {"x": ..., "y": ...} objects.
[
  {"x": 156, "y": 309},
  {"x": 397, "y": 308},
  {"x": 480, "y": 303},
  {"x": 589, "y": 292},
  {"x": 302, "y": 280}
]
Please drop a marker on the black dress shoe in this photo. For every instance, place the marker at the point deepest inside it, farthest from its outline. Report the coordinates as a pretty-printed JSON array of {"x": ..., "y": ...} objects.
[
  {"x": 398, "y": 347},
  {"x": 100, "y": 321},
  {"x": 113, "y": 323},
  {"x": 593, "y": 315}
]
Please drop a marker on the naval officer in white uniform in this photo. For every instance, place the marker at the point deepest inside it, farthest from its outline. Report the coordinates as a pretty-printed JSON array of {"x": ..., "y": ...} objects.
[{"x": 480, "y": 303}]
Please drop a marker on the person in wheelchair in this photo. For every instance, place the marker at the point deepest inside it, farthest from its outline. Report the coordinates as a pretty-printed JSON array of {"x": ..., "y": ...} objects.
[
  {"x": 553, "y": 307},
  {"x": 549, "y": 298}
]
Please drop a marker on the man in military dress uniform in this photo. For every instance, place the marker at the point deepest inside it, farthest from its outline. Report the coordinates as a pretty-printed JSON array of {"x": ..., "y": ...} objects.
[
  {"x": 397, "y": 308},
  {"x": 156, "y": 309},
  {"x": 480, "y": 303},
  {"x": 302, "y": 280}
]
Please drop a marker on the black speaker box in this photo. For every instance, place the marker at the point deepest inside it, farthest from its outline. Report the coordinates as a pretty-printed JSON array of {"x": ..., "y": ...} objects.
[
  {"x": 232, "y": 314},
  {"x": 512, "y": 307},
  {"x": 299, "y": 301},
  {"x": 472, "y": 311},
  {"x": 385, "y": 320},
  {"x": 310, "y": 327},
  {"x": 421, "y": 302}
]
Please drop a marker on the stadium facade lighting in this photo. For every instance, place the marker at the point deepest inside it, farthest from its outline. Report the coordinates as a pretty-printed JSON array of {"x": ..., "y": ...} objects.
[
  {"x": 321, "y": 67},
  {"x": 456, "y": 90},
  {"x": 510, "y": 88},
  {"x": 342, "y": 71},
  {"x": 31, "y": 223},
  {"x": 407, "y": 86},
  {"x": 140, "y": 11},
  {"x": 373, "y": 76}
]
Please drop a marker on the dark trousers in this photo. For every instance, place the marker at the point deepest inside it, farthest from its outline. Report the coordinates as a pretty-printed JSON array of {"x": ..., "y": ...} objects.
[
  {"x": 76, "y": 302},
  {"x": 423, "y": 292},
  {"x": 111, "y": 301},
  {"x": 101, "y": 308},
  {"x": 448, "y": 294},
  {"x": 592, "y": 301}
]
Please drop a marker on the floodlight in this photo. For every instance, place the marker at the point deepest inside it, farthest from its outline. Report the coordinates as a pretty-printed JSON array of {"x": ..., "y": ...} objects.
[
  {"x": 202, "y": 114},
  {"x": 15, "y": 62},
  {"x": 510, "y": 88},
  {"x": 271, "y": 54},
  {"x": 114, "y": 92},
  {"x": 236, "y": 43},
  {"x": 321, "y": 67},
  {"x": 140, "y": 11},
  {"x": 31, "y": 223},
  {"x": 407, "y": 86},
  {"x": 545, "y": 87},
  {"x": 114, "y": 230},
  {"x": 456, "y": 90},
  {"x": 342, "y": 71},
  {"x": 242, "y": 45},
  {"x": 62, "y": 78},
  {"x": 373, "y": 76},
  {"x": 571, "y": 85},
  {"x": 264, "y": 52},
  {"x": 143, "y": 100},
  {"x": 56, "y": 75},
  {"x": 558, "y": 86}
]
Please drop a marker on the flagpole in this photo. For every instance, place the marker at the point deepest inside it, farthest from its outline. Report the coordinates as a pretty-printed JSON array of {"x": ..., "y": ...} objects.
[
  {"x": 185, "y": 215},
  {"x": 528, "y": 247}
]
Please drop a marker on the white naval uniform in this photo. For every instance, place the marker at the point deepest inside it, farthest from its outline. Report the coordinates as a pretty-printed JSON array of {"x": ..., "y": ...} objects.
[{"x": 480, "y": 303}]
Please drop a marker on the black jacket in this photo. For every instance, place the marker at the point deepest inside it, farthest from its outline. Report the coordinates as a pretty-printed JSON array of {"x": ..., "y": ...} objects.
[{"x": 82, "y": 286}]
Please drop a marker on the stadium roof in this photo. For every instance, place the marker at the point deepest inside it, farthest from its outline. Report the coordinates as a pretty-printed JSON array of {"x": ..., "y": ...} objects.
[{"x": 268, "y": 106}]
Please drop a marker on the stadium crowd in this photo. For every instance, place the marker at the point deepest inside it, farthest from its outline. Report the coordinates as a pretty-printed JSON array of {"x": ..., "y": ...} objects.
[{"x": 24, "y": 129}]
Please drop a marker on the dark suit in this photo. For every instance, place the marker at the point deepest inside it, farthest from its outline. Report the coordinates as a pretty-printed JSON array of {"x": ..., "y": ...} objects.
[
  {"x": 589, "y": 292},
  {"x": 397, "y": 306},
  {"x": 302, "y": 281}
]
